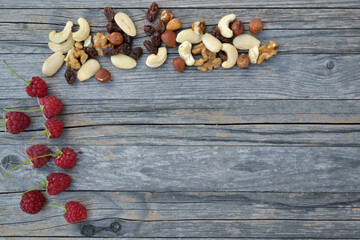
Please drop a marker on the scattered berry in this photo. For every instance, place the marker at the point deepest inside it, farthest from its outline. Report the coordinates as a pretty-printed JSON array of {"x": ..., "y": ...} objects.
[
  {"x": 53, "y": 129},
  {"x": 16, "y": 122},
  {"x": 67, "y": 159},
  {"x": 32, "y": 202},
  {"x": 57, "y": 183},
  {"x": 75, "y": 212},
  {"x": 51, "y": 106},
  {"x": 36, "y": 152}
]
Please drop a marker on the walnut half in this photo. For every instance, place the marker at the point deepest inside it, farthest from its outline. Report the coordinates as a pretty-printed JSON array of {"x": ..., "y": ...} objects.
[
  {"x": 73, "y": 56},
  {"x": 267, "y": 51}
]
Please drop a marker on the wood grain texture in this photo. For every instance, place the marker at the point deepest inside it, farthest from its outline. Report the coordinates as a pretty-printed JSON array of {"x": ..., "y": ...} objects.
[{"x": 189, "y": 214}]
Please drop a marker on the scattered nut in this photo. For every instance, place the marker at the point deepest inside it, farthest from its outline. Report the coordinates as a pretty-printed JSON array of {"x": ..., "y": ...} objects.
[
  {"x": 83, "y": 32},
  {"x": 63, "y": 35},
  {"x": 125, "y": 23},
  {"x": 185, "y": 53},
  {"x": 256, "y": 26},
  {"x": 87, "y": 42},
  {"x": 169, "y": 38},
  {"x": 245, "y": 42},
  {"x": 197, "y": 49},
  {"x": 237, "y": 27},
  {"x": 136, "y": 53},
  {"x": 116, "y": 38},
  {"x": 267, "y": 51},
  {"x": 160, "y": 27},
  {"x": 52, "y": 64},
  {"x": 174, "y": 24},
  {"x": 179, "y": 64},
  {"x": 70, "y": 76},
  {"x": 78, "y": 45},
  {"x": 152, "y": 12},
  {"x": 73, "y": 56},
  {"x": 243, "y": 61},
  {"x": 188, "y": 35},
  {"x": 103, "y": 75},
  {"x": 231, "y": 53},
  {"x": 209, "y": 61},
  {"x": 254, "y": 54},
  {"x": 154, "y": 61},
  {"x": 88, "y": 70},
  {"x": 211, "y": 43},
  {"x": 166, "y": 15},
  {"x": 224, "y": 25},
  {"x": 100, "y": 42},
  {"x": 123, "y": 62},
  {"x": 62, "y": 47},
  {"x": 198, "y": 27}
]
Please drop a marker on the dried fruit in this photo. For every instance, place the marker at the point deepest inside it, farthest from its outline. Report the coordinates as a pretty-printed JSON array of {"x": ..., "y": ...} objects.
[
  {"x": 243, "y": 61},
  {"x": 160, "y": 27},
  {"x": 237, "y": 27},
  {"x": 152, "y": 12},
  {"x": 222, "y": 55},
  {"x": 179, "y": 64},
  {"x": 174, "y": 24},
  {"x": 124, "y": 48},
  {"x": 70, "y": 76},
  {"x": 256, "y": 26},
  {"x": 109, "y": 14},
  {"x": 156, "y": 39},
  {"x": 215, "y": 31},
  {"x": 169, "y": 38},
  {"x": 267, "y": 51},
  {"x": 128, "y": 39},
  {"x": 103, "y": 75},
  {"x": 149, "y": 30},
  {"x": 150, "y": 47},
  {"x": 109, "y": 51},
  {"x": 90, "y": 51},
  {"x": 166, "y": 15},
  {"x": 199, "y": 27},
  {"x": 136, "y": 53},
  {"x": 113, "y": 27},
  {"x": 116, "y": 38}
]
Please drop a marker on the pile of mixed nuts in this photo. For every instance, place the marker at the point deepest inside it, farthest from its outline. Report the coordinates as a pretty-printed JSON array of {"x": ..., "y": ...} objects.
[{"x": 215, "y": 49}]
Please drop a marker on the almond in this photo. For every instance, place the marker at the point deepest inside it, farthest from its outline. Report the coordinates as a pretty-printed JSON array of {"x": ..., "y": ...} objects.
[
  {"x": 174, "y": 24},
  {"x": 169, "y": 38}
]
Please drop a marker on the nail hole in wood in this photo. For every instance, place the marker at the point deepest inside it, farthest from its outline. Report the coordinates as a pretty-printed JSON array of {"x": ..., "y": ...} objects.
[{"x": 330, "y": 65}]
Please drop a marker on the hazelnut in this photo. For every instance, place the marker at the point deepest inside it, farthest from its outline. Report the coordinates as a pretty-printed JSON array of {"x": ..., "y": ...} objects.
[
  {"x": 237, "y": 27},
  {"x": 179, "y": 64},
  {"x": 256, "y": 25},
  {"x": 174, "y": 24},
  {"x": 166, "y": 15},
  {"x": 198, "y": 27},
  {"x": 116, "y": 38},
  {"x": 243, "y": 61},
  {"x": 169, "y": 38},
  {"x": 103, "y": 75}
]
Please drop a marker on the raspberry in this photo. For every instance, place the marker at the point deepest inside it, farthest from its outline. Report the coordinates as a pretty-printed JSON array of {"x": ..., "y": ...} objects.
[
  {"x": 54, "y": 128},
  {"x": 51, "y": 106},
  {"x": 16, "y": 122},
  {"x": 67, "y": 159},
  {"x": 75, "y": 212},
  {"x": 37, "y": 151},
  {"x": 57, "y": 183},
  {"x": 32, "y": 202}
]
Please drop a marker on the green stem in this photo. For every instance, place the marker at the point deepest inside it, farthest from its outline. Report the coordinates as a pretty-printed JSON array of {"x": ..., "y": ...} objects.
[
  {"x": 45, "y": 131},
  {"x": 31, "y": 189},
  {"x": 12, "y": 110},
  {"x": 51, "y": 205},
  {"x": 2, "y": 124},
  {"x": 27, "y": 81}
]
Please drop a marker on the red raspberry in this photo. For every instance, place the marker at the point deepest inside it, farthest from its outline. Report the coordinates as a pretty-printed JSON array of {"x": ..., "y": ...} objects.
[
  {"x": 37, "y": 88},
  {"x": 67, "y": 159},
  {"x": 55, "y": 128},
  {"x": 51, "y": 106},
  {"x": 36, "y": 151},
  {"x": 16, "y": 122},
  {"x": 32, "y": 202},
  {"x": 75, "y": 212},
  {"x": 57, "y": 183}
]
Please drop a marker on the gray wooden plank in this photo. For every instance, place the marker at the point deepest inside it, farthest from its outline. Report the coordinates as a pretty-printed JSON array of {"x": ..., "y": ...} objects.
[
  {"x": 183, "y": 4},
  {"x": 197, "y": 168},
  {"x": 193, "y": 214},
  {"x": 307, "y": 78}
]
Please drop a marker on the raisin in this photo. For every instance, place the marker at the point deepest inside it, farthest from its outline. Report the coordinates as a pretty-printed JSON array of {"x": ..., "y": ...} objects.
[
  {"x": 90, "y": 51},
  {"x": 150, "y": 47},
  {"x": 160, "y": 26},
  {"x": 70, "y": 76},
  {"x": 136, "y": 53},
  {"x": 109, "y": 51},
  {"x": 156, "y": 39},
  {"x": 124, "y": 48},
  {"x": 222, "y": 55},
  {"x": 113, "y": 27},
  {"x": 109, "y": 14},
  {"x": 149, "y": 30},
  {"x": 215, "y": 31},
  {"x": 152, "y": 12},
  {"x": 128, "y": 39}
]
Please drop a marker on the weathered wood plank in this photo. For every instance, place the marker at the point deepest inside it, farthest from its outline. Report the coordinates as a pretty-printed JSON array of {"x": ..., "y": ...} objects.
[
  {"x": 168, "y": 214},
  {"x": 307, "y": 78},
  {"x": 183, "y": 4},
  {"x": 198, "y": 168}
]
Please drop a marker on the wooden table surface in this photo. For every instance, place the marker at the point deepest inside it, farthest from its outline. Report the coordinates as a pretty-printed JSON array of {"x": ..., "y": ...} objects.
[{"x": 271, "y": 152}]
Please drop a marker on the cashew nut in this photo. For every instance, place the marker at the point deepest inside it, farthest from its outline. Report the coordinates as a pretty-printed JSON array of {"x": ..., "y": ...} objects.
[
  {"x": 185, "y": 53},
  {"x": 123, "y": 61},
  {"x": 88, "y": 69},
  {"x": 224, "y": 25},
  {"x": 53, "y": 64},
  {"x": 157, "y": 60},
  {"x": 245, "y": 42},
  {"x": 62, "y": 47},
  {"x": 63, "y": 35},
  {"x": 211, "y": 43},
  {"x": 254, "y": 54},
  {"x": 125, "y": 23},
  {"x": 231, "y": 53},
  {"x": 83, "y": 32},
  {"x": 188, "y": 35}
]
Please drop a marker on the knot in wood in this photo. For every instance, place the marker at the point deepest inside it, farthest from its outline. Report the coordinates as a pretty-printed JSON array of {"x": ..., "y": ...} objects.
[
  {"x": 88, "y": 230},
  {"x": 115, "y": 227},
  {"x": 330, "y": 65},
  {"x": 10, "y": 161}
]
